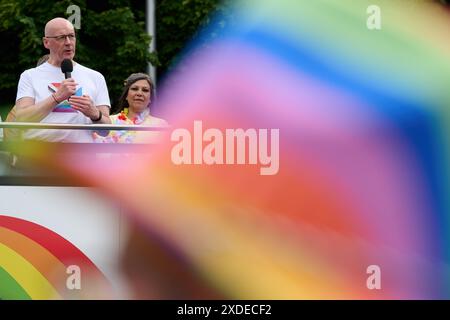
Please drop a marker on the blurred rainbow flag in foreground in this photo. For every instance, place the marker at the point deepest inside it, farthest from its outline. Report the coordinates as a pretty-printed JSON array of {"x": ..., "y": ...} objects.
[{"x": 357, "y": 208}]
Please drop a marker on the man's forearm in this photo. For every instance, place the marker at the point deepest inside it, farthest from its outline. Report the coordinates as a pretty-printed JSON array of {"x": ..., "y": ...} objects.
[{"x": 34, "y": 112}]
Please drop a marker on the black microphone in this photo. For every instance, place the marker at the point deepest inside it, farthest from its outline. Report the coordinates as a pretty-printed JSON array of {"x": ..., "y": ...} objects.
[{"x": 67, "y": 67}]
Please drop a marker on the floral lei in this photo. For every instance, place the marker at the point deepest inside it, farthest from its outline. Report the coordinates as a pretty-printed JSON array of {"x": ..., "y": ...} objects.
[
  {"x": 126, "y": 136},
  {"x": 123, "y": 116}
]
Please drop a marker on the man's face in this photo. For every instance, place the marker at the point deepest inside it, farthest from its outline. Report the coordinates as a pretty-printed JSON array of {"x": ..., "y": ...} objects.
[{"x": 61, "y": 41}]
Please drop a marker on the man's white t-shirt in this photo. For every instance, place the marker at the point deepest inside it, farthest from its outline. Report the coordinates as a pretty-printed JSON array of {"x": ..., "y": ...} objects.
[
  {"x": 1, "y": 130},
  {"x": 40, "y": 82}
]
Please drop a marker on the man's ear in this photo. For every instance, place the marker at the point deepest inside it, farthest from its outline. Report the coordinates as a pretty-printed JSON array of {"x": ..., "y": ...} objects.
[{"x": 45, "y": 42}]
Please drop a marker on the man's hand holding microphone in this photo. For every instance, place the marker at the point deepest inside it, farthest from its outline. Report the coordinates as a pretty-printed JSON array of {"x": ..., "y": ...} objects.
[{"x": 68, "y": 87}]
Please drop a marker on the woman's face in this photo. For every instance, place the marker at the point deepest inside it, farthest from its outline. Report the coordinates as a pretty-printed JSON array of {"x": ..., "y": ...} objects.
[{"x": 139, "y": 96}]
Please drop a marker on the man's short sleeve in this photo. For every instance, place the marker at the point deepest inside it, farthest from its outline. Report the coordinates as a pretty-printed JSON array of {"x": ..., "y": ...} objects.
[
  {"x": 25, "y": 86},
  {"x": 102, "y": 92},
  {"x": 1, "y": 130}
]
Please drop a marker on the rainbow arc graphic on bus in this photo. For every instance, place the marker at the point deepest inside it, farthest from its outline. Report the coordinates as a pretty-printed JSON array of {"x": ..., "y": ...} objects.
[{"x": 34, "y": 263}]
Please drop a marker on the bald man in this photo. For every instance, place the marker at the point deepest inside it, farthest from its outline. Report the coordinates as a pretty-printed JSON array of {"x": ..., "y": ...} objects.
[{"x": 44, "y": 95}]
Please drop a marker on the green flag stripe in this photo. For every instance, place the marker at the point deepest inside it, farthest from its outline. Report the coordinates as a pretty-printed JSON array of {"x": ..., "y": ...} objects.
[{"x": 10, "y": 289}]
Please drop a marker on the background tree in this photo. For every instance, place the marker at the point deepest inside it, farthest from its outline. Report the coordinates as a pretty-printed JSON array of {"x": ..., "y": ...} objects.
[{"x": 180, "y": 22}]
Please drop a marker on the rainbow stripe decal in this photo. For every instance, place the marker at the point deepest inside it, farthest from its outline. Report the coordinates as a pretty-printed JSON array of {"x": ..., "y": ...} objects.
[
  {"x": 64, "y": 106},
  {"x": 34, "y": 263}
]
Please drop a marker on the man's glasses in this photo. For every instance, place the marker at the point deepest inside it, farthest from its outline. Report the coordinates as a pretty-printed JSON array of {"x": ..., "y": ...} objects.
[{"x": 63, "y": 37}]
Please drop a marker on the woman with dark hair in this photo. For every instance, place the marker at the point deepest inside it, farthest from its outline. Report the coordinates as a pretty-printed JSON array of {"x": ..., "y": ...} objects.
[{"x": 134, "y": 108}]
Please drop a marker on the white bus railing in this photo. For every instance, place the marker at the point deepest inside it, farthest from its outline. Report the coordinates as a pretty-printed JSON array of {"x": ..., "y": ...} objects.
[
  {"x": 71, "y": 126},
  {"x": 13, "y": 172}
]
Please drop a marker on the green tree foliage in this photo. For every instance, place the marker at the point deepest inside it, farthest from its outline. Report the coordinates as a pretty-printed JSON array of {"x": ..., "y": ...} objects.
[{"x": 179, "y": 22}]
